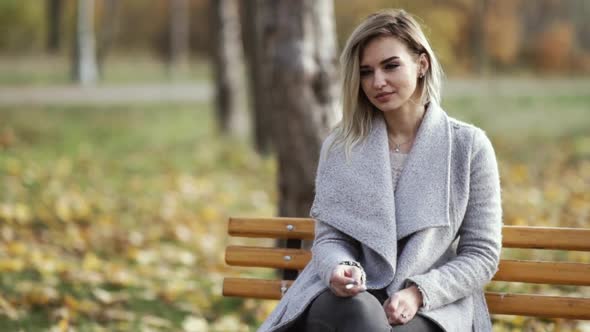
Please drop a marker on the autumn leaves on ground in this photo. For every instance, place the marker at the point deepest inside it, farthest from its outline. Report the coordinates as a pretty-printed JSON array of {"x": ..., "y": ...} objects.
[
  {"x": 116, "y": 216},
  {"x": 113, "y": 218}
]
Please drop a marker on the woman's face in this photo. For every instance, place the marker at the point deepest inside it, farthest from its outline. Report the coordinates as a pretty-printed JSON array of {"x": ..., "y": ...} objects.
[{"x": 389, "y": 73}]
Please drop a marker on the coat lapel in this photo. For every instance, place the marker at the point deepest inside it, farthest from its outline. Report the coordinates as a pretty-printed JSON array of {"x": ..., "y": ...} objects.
[
  {"x": 356, "y": 196},
  {"x": 422, "y": 194}
]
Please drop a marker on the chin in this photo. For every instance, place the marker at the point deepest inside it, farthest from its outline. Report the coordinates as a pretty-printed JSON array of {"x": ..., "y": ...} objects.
[
  {"x": 388, "y": 107},
  {"x": 391, "y": 105}
]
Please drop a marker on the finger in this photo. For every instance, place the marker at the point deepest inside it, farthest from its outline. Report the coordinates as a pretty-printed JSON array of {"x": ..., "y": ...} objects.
[
  {"x": 354, "y": 290},
  {"x": 394, "y": 320},
  {"x": 342, "y": 280},
  {"x": 336, "y": 289},
  {"x": 403, "y": 314},
  {"x": 339, "y": 293},
  {"x": 389, "y": 312},
  {"x": 347, "y": 290},
  {"x": 352, "y": 287},
  {"x": 356, "y": 274},
  {"x": 394, "y": 302},
  {"x": 391, "y": 306},
  {"x": 357, "y": 285},
  {"x": 401, "y": 317},
  {"x": 406, "y": 317},
  {"x": 348, "y": 271},
  {"x": 340, "y": 289}
]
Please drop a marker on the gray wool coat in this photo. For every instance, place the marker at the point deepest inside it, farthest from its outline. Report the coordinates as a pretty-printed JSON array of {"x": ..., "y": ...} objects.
[{"x": 446, "y": 207}]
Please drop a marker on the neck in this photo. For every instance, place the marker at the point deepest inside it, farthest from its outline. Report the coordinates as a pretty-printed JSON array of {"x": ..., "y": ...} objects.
[{"x": 403, "y": 123}]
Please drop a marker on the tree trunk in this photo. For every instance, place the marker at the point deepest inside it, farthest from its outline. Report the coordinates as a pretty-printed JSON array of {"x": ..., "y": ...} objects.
[
  {"x": 228, "y": 59},
  {"x": 259, "y": 113},
  {"x": 108, "y": 29},
  {"x": 179, "y": 36},
  {"x": 54, "y": 17},
  {"x": 478, "y": 37},
  {"x": 85, "y": 69},
  {"x": 579, "y": 11},
  {"x": 301, "y": 84}
]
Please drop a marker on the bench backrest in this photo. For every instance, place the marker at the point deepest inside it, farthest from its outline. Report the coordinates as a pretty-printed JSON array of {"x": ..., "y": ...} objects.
[{"x": 537, "y": 272}]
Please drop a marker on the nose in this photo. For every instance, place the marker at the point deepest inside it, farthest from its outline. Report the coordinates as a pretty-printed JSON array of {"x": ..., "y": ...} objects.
[{"x": 378, "y": 80}]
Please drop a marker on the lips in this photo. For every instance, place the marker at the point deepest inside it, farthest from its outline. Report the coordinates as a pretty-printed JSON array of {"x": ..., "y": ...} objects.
[{"x": 384, "y": 96}]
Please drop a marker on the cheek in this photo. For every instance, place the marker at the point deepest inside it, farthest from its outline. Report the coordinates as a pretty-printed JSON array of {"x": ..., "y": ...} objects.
[
  {"x": 365, "y": 85},
  {"x": 408, "y": 81},
  {"x": 411, "y": 83}
]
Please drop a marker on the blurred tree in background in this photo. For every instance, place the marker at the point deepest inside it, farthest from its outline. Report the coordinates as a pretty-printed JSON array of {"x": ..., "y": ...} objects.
[
  {"x": 54, "y": 18},
  {"x": 228, "y": 61},
  {"x": 108, "y": 27},
  {"x": 84, "y": 65},
  {"x": 179, "y": 31},
  {"x": 299, "y": 75},
  {"x": 260, "y": 112}
]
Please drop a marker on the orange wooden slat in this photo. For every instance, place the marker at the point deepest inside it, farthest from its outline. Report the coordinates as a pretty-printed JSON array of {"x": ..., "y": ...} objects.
[
  {"x": 255, "y": 288},
  {"x": 555, "y": 273},
  {"x": 558, "y": 238},
  {"x": 498, "y": 303},
  {"x": 276, "y": 228},
  {"x": 281, "y": 258},
  {"x": 539, "y": 305}
]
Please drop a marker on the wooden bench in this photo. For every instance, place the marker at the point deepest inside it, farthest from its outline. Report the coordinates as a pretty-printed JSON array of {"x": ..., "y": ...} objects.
[{"x": 294, "y": 259}]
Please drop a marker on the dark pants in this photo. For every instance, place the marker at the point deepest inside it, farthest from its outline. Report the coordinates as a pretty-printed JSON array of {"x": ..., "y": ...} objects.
[{"x": 363, "y": 312}]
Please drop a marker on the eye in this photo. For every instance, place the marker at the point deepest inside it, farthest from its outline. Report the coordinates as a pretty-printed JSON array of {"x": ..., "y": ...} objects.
[
  {"x": 365, "y": 72},
  {"x": 391, "y": 66}
]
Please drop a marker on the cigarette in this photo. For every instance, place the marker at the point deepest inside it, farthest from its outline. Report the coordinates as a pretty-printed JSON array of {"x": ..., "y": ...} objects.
[{"x": 350, "y": 285}]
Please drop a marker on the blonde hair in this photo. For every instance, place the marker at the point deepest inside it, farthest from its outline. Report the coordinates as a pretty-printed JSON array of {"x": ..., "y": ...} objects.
[{"x": 358, "y": 112}]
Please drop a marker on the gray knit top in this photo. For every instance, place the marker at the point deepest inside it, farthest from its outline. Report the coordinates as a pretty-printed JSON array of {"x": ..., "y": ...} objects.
[
  {"x": 397, "y": 165},
  {"x": 397, "y": 161}
]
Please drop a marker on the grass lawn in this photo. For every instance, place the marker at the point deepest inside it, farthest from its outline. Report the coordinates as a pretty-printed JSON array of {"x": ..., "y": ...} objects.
[
  {"x": 46, "y": 70},
  {"x": 113, "y": 218}
]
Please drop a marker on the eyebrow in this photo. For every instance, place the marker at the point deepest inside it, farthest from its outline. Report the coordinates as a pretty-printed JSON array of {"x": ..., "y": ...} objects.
[{"x": 383, "y": 61}]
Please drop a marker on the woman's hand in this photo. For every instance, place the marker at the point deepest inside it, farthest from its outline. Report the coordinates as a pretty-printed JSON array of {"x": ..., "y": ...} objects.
[
  {"x": 402, "y": 306},
  {"x": 347, "y": 281}
]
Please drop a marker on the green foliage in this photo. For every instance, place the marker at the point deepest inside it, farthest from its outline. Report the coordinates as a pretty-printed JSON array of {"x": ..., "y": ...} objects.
[{"x": 21, "y": 25}]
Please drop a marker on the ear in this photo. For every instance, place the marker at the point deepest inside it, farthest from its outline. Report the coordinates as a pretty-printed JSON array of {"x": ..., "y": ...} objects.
[{"x": 423, "y": 65}]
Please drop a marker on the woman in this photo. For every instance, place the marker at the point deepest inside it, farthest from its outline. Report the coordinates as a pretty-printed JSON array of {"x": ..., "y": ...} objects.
[{"x": 407, "y": 206}]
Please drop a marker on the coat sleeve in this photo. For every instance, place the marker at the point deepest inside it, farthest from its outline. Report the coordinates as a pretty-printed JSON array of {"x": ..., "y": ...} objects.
[
  {"x": 331, "y": 247},
  {"x": 480, "y": 235}
]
